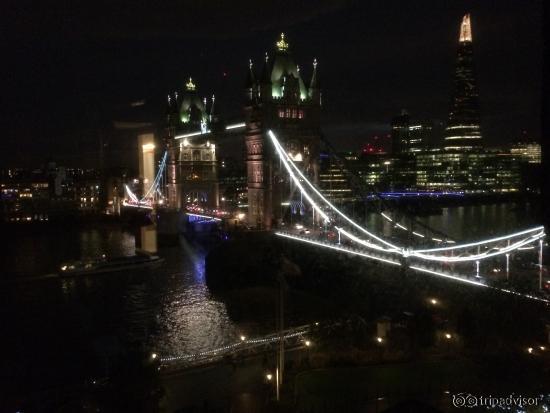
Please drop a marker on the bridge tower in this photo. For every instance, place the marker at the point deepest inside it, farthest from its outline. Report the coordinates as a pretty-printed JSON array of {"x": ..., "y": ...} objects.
[
  {"x": 279, "y": 100},
  {"x": 192, "y": 172}
]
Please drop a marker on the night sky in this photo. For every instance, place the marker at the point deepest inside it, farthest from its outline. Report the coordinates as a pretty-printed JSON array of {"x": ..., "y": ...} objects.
[{"x": 72, "y": 70}]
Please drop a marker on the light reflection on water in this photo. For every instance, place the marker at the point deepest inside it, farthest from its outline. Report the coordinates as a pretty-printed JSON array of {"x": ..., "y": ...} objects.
[
  {"x": 189, "y": 318},
  {"x": 169, "y": 310}
]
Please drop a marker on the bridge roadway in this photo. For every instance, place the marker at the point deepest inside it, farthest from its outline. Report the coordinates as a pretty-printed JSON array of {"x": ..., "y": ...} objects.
[
  {"x": 410, "y": 263},
  {"x": 293, "y": 337}
]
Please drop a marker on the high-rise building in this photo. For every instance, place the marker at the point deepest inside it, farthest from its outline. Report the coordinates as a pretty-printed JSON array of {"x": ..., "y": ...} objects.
[
  {"x": 408, "y": 136},
  {"x": 476, "y": 172},
  {"x": 527, "y": 151},
  {"x": 279, "y": 100},
  {"x": 463, "y": 127},
  {"x": 334, "y": 181},
  {"x": 400, "y": 132}
]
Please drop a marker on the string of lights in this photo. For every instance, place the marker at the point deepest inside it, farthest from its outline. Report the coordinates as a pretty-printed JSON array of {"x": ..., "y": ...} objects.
[
  {"x": 287, "y": 161},
  {"x": 244, "y": 343}
]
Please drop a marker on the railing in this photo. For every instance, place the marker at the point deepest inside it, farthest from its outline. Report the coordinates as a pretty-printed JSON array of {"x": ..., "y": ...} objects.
[{"x": 245, "y": 345}]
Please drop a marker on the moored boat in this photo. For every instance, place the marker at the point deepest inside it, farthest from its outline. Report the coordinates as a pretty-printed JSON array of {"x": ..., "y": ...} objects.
[{"x": 106, "y": 265}]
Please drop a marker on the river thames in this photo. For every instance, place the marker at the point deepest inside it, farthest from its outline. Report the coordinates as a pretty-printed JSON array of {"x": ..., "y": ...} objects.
[{"x": 78, "y": 323}]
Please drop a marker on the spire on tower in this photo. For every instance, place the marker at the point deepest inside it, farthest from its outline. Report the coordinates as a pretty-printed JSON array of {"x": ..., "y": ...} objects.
[
  {"x": 266, "y": 72},
  {"x": 465, "y": 29},
  {"x": 250, "y": 78},
  {"x": 213, "y": 114},
  {"x": 314, "y": 84}
]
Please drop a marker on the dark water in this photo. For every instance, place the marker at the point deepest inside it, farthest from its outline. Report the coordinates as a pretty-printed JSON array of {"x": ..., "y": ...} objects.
[
  {"x": 470, "y": 222},
  {"x": 52, "y": 329}
]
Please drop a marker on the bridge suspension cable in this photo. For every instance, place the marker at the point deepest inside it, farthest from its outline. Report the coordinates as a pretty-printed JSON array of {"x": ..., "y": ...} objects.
[
  {"x": 537, "y": 232},
  {"x": 153, "y": 190},
  {"x": 358, "y": 183}
]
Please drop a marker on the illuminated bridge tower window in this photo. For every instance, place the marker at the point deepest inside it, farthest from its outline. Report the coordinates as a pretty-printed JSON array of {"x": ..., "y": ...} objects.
[{"x": 463, "y": 127}]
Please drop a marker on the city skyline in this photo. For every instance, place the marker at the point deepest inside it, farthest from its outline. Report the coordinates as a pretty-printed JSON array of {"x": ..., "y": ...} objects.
[
  {"x": 318, "y": 206},
  {"x": 356, "y": 106}
]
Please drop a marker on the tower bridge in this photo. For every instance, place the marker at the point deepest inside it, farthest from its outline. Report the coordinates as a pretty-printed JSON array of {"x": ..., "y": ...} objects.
[{"x": 281, "y": 132}]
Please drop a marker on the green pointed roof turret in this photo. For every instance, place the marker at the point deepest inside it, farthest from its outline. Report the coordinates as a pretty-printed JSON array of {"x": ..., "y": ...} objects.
[
  {"x": 192, "y": 108},
  {"x": 284, "y": 65}
]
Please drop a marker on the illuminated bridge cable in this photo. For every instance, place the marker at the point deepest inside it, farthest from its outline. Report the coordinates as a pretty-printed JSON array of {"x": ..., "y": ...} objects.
[
  {"x": 479, "y": 256},
  {"x": 419, "y": 268},
  {"x": 154, "y": 188},
  {"x": 360, "y": 186},
  {"x": 473, "y": 244},
  {"x": 287, "y": 161},
  {"x": 407, "y": 252},
  {"x": 296, "y": 180},
  {"x": 156, "y": 181}
]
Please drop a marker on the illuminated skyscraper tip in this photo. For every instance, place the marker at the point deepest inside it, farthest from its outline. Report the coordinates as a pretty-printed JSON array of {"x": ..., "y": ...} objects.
[
  {"x": 463, "y": 127},
  {"x": 466, "y": 29},
  {"x": 315, "y": 63},
  {"x": 250, "y": 63}
]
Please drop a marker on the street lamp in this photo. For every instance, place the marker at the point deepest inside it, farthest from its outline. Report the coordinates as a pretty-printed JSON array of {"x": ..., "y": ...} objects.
[
  {"x": 307, "y": 343},
  {"x": 448, "y": 336},
  {"x": 540, "y": 264},
  {"x": 379, "y": 339},
  {"x": 269, "y": 376},
  {"x": 154, "y": 356},
  {"x": 433, "y": 301},
  {"x": 507, "y": 265}
]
